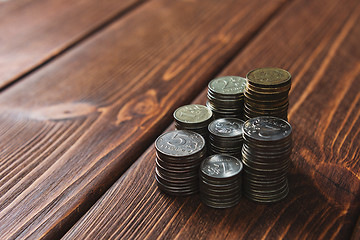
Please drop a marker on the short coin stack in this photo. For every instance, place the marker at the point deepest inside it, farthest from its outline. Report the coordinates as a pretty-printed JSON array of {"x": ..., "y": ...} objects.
[
  {"x": 266, "y": 93},
  {"x": 266, "y": 158},
  {"x": 178, "y": 156},
  {"x": 193, "y": 117},
  {"x": 225, "y": 136},
  {"x": 226, "y": 96},
  {"x": 220, "y": 181}
]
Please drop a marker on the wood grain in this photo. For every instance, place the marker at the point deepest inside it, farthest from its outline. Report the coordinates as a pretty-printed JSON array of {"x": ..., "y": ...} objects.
[
  {"x": 319, "y": 46},
  {"x": 33, "y": 32},
  {"x": 70, "y": 129},
  {"x": 356, "y": 233}
]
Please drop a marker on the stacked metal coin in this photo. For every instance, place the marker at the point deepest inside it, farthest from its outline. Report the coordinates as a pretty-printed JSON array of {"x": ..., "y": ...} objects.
[
  {"x": 194, "y": 118},
  {"x": 226, "y": 96},
  {"x": 220, "y": 181},
  {"x": 179, "y": 154},
  {"x": 266, "y": 93},
  {"x": 226, "y": 136},
  {"x": 266, "y": 158}
]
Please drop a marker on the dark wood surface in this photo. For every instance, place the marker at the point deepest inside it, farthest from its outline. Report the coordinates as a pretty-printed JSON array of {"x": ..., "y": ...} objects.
[
  {"x": 319, "y": 46},
  {"x": 34, "y": 31},
  {"x": 115, "y": 71},
  {"x": 69, "y": 130},
  {"x": 356, "y": 232}
]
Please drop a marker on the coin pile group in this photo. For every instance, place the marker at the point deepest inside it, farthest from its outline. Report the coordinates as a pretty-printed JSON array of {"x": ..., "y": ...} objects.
[
  {"x": 266, "y": 158},
  {"x": 252, "y": 157},
  {"x": 225, "y": 136},
  {"x": 226, "y": 97},
  {"x": 193, "y": 117},
  {"x": 179, "y": 154},
  {"x": 220, "y": 181},
  {"x": 266, "y": 93}
]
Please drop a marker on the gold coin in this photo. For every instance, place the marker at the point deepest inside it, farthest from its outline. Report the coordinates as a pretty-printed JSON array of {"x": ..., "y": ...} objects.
[{"x": 268, "y": 77}]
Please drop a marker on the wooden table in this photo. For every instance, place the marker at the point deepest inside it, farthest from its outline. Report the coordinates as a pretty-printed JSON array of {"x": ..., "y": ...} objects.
[{"x": 87, "y": 86}]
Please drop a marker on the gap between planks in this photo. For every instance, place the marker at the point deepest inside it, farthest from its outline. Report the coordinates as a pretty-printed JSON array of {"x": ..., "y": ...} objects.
[{"x": 73, "y": 44}]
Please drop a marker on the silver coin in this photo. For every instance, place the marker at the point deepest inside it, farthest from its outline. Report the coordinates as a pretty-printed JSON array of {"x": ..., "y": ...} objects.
[
  {"x": 177, "y": 192},
  {"x": 267, "y": 200},
  {"x": 179, "y": 166},
  {"x": 212, "y": 204},
  {"x": 226, "y": 127},
  {"x": 192, "y": 114},
  {"x": 221, "y": 166},
  {"x": 266, "y": 190},
  {"x": 220, "y": 199},
  {"x": 179, "y": 143},
  {"x": 267, "y": 128},
  {"x": 266, "y": 186},
  {"x": 269, "y": 146},
  {"x": 177, "y": 171},
  {"x": 179, "y": 185},
  {"x": 268, "y": 195},
  {"x": 235, "y": 180},
  {"x": 179, "y": 188},
  {"x": 176, "y": 176},
  {"x": 217, "y": 186},
  {"x": 228, "y": 85},
  {"x": 192, "y": 158},
  {"x": 178, "y": 179},
  {"x": 219, "y": 191}
]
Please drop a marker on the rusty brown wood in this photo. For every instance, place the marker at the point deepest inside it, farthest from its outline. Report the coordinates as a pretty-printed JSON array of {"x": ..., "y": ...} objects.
[
  {"x": 317, "y": 41},
  {"x": 69, "y": 130},
  {"x": 34, "y": 32}
]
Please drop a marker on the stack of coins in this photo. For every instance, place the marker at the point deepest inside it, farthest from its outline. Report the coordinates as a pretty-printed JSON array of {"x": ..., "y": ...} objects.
[
  {"x": 266, "y": 93},
  {"x": 266, "y": 158},
  {"x": 178, "y": 156},
  {"x": 194, "y": 118},
  {"x": 226, "y": 97},
  {"x": 220, "y": 181},
  {"x": 226, "y": 136}
]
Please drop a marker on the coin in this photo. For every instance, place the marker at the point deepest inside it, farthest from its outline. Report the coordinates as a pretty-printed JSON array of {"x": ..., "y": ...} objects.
[
  {"x": 226, "y": 127},
  {"x": 193, "y": 117},
  {"x": 226, "y": 96},
  {"x": 221, "y": 166},
  {"x": 225, "y": 136},
  {"x": 179, "y": 154},
  {"x": 268, "y": 76},
  {"x": 179, "y": 143},
  {"x": 193, "y": 114},
  {"x": 267, "y": 129},
  {"x": 266, "y": 93},
  {"x": 228, "y": 204},
  {"x": 220, "y": 181},
  {"x": 266, "y": 157},
  {"x": 228, "y": 85}
]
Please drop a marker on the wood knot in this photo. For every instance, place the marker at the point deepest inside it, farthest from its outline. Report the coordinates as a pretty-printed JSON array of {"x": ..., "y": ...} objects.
[
  {"x": 335, "y": 181},
  {"x": 140, "y": 106}
]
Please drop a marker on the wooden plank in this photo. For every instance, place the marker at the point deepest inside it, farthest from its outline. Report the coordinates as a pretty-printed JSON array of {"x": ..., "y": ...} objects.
[
  {"x": 317, "y": 44},
  {"x": 356, "y": 233},
  {"x": 70, "y": 130},
  {"x": 33, "y": 32}
]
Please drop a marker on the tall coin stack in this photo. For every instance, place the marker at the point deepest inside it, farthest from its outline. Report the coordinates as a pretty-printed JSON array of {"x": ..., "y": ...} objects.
[
  {"x": 226, "y": 97},
  {"x": 179, "y": 154},
  {"x": 266, "y": 158},
  {"x": 194, "y": 118},
  {"x": 266, "y": 93},
  {"x": 220, "y": 181},
  {"x": 225, "y": 136}
]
